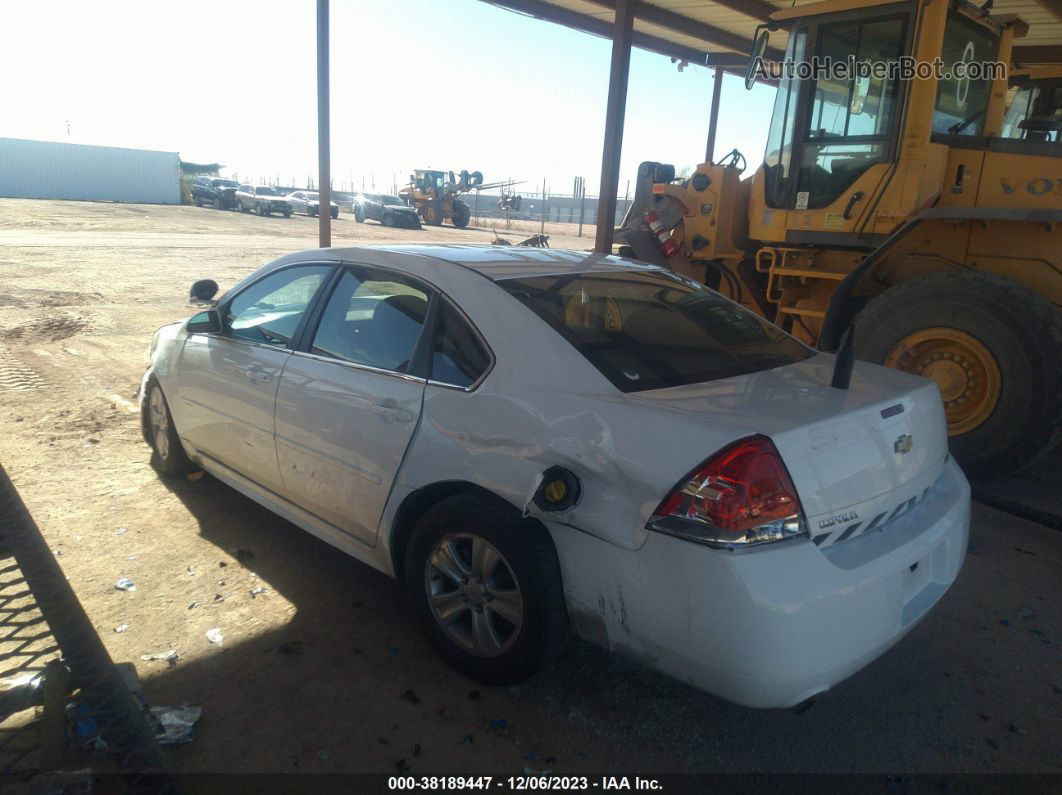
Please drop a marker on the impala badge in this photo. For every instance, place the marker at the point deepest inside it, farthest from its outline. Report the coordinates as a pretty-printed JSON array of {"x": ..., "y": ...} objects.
[{"x": 903, "y": 444}]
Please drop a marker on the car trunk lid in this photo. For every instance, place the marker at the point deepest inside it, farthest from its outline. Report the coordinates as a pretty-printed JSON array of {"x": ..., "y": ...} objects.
[{"x": 858, "y": 457}]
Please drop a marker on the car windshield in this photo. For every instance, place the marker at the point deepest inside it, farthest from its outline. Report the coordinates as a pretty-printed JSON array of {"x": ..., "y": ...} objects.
[
  {"x": 391, "y": 200},
  {"x": 265, "y": 191},
  {"x": 654, "y": 330},
  {"x": 225, "y": 183},
  {"x": 311, "y": 196}
]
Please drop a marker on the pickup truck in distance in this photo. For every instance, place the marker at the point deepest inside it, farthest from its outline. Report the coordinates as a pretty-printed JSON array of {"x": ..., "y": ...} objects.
[
  {"x": 219, "y": 193},
  {"x": 263, "y": 199}
]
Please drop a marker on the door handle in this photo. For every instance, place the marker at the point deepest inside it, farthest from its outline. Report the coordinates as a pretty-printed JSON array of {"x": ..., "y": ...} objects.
[
  {"x": 258, "y": 374},
  {"x": 391, "y": 413},
  {"x": 856, "y": 198}
]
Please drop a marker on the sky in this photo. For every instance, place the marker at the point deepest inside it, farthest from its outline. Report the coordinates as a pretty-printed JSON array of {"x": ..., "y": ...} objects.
[{"x": 447, "y": 84}]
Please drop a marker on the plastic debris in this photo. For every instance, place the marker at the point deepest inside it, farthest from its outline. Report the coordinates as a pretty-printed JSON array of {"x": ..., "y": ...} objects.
[
  {"x": 219, "y": 598},
  {"x": 215, "y": 636},
  {"x": 171, "y": 656},
  {"x": 176, "y": 725},
  {"x": 125, "y": 584},
  {"x": 411, "y": 697},
  {"x": 119, "y": 531},
  {"x": 121, "y": 628},
  {"x": 259, "y": 589},
  {"x": 193, "y": 605}
]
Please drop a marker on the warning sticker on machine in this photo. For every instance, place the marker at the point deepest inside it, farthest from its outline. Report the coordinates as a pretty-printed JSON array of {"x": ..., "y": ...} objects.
[
  {"x": 802, "y": 200},
  {"x": 834, "y": 221}
]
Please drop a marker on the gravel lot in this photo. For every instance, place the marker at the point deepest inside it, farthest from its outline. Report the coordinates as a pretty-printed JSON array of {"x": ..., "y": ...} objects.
[{"x": 324, "y": 671}]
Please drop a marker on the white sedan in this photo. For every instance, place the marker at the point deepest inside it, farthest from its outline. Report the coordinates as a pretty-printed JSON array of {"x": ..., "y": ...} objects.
[{"x": 542, "y": 442}]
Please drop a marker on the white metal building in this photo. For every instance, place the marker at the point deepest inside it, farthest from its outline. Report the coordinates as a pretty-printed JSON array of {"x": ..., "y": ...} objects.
[{"x": 51, "y": 170}]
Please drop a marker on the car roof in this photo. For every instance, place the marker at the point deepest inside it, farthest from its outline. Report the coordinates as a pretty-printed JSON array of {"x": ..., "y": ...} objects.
[{"x": 507, "y": 262}]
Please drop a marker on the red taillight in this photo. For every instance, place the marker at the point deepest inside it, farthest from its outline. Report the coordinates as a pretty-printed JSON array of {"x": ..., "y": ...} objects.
[{"x": 743, "y": 493}]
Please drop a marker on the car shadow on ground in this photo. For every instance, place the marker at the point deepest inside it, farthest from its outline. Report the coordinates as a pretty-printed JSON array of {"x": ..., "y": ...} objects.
[{"x": 345, "y": 681}]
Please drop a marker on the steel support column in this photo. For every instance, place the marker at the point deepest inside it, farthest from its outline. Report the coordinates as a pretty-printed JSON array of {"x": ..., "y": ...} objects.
[
  {"x": 713, "y": 115},
  {"x": 614, "y": 114},
  {"x": 324, "y": 179}
]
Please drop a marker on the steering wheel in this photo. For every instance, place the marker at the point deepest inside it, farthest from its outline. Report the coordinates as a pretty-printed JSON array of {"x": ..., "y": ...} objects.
[{"x": 733, "y": 159}]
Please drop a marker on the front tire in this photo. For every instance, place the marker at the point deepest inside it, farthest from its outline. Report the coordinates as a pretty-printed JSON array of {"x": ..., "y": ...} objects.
[
  {"x": 433, "y": 213},
  {"x": 993, "y": 346},
  {"x": 218, "y": 203},
  {"x": 359, "y": 214},
  {"x": 462, "y": 214},
  {"x": 167, "y": 452},
  {"x": 486, "y": 586}
]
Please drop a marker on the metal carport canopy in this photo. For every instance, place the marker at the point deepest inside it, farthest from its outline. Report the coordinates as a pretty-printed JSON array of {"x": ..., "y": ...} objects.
[{"x": 718, "y": 33}]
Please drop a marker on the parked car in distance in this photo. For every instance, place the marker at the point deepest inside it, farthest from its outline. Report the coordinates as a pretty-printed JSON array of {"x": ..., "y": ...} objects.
[
  {"x": 309, "y": 202},
  {"x": 388, "y": 210},
  {"x": 543, "y": 442},
  {"x": 218, "y": 192},
  {"x": 262, "y": 199}
]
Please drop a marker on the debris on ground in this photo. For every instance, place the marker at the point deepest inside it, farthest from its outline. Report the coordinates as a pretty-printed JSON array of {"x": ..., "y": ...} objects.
[
  {"x": 215, "y": 636},
  {"x": 171, "y": 656},
  {"x": 222, "y": 564},
  {"x": 121, "y": 628},
  {"x": 323, "y": 754},
  {"x": 219, "y": 598},
  {"x": 401, "y": 766},
  {"x": 1025, "y": 551},
  {"x": 176, "y": 725},
  {"x": 258, "y": 589},
  {"x": 119, "y": 531},
  {"x": 194, "y": 476},
  {"x": 125, "y": 584},
  {"x": 410, "y": 696},
  {"x": 193, "y": 605},
  {"x": 1026, "y": 612}
]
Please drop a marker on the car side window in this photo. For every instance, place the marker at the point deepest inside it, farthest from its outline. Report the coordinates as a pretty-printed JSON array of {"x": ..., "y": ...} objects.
[
  {"x": 374, "y": 319},
  {"x": 457, "y": 355},
  {"x": 269, "y": 310}
]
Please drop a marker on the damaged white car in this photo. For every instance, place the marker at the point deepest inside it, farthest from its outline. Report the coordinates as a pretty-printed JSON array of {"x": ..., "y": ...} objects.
[{"x": 542, "y": 442}]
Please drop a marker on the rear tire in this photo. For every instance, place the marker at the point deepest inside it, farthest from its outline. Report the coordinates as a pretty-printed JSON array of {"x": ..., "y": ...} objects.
[
  {"x": 167, "y": 452},
  {"x": 462, "y": 215},
  {"x": 502, "y": 628},
  {"x": 218, "y": 203},
  {"x": 433, "y": 213},
  {"x": 993, "y": 345},
  {"x": 387, "y": 220}
]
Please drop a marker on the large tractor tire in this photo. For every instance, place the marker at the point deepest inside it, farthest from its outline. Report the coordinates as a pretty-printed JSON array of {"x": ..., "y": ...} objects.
[
  {"x": 432, "y": 213},
  {"x": 993, "y": 346},
  {"x": 462, "y": 215}
]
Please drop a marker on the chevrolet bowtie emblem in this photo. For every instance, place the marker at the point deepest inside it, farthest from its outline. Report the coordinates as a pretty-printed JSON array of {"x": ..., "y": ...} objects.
[{"x": 903, "y": 444}]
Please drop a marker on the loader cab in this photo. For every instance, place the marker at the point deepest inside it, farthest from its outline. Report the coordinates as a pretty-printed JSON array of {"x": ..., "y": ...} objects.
[
  {"x": 429, "y": 181},
  {"x": 843, "y": 99},
  {"x": 1035, "y": 107}
]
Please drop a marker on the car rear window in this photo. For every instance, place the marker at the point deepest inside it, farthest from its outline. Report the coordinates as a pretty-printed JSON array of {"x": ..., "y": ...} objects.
[{"x": 654, "y": 330}]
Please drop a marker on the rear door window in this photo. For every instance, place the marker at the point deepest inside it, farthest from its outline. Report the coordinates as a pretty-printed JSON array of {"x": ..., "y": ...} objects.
[
  {"x": 654, "y": 330},
  {"x": 374, "y": 319}
]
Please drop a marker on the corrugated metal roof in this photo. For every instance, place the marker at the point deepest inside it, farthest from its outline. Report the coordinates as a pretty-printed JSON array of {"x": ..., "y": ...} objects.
[{"x": 720, "y": 31}]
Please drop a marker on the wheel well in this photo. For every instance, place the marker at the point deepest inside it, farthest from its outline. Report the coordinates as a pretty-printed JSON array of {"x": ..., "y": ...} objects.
[{"x": 418, "y": 503}]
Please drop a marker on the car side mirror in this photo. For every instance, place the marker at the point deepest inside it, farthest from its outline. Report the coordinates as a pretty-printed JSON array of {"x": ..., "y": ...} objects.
[
  {"x": 203, "y": 291},
  {"x": 204, "y": 323}
]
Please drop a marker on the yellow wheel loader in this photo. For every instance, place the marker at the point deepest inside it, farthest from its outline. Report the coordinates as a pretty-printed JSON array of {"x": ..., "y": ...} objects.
[
  {"x": 434, "y": 195},
  {"x": 890, "y": 204}
]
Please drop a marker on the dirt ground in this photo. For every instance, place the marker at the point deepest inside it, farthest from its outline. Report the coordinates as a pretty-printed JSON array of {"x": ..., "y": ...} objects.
[{"x": 321, "y": 668}]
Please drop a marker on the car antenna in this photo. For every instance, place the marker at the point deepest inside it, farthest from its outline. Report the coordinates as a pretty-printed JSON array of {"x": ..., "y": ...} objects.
[{"x": 842, "y": 366}]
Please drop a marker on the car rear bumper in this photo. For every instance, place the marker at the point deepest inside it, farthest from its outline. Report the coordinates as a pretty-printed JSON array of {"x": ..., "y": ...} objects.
[{"x": 774, "y": 626}]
